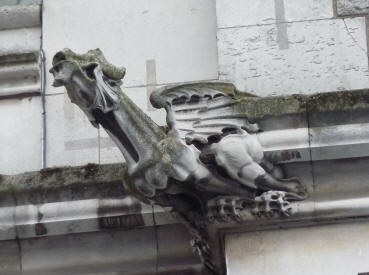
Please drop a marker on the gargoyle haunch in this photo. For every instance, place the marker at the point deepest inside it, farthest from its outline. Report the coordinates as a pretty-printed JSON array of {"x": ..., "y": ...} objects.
[{"x": 207, "y": 164}]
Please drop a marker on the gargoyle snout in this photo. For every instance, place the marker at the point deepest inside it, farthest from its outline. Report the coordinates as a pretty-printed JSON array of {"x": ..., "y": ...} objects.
[{"x": 58, "y": 80}]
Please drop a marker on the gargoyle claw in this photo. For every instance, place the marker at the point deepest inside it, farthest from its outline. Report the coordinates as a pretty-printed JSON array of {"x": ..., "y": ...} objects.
[
  {"x": 226, "y": 209},
  {"x": 271, "y": 203}
]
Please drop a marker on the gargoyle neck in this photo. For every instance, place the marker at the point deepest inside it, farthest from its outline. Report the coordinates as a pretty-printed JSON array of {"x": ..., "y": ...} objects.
[{"x": 135, "y": 132}]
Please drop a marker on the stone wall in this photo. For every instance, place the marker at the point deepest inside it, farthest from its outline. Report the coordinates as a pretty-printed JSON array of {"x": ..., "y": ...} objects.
[
  {"x": 267, "y": 47},
  {"x": 275, "y": 47}
]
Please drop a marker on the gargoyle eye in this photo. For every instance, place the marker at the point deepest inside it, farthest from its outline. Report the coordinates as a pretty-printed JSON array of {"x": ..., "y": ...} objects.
[
  {"x": 56, "y": 69},
  {"x": 89, "y": 70}
]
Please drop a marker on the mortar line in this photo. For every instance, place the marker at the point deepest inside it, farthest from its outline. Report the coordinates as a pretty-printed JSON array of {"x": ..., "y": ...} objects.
[
  {"x": 156, "y": 238},
  {"x": 286, "y": 22},
  {"x": 352, "y": 37}
]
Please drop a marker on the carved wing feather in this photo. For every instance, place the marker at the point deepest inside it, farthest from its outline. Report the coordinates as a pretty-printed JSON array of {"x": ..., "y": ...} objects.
[{"x": 202, "y": 110}]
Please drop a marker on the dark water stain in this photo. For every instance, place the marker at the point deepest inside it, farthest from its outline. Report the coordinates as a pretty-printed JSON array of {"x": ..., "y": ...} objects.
[
  {"x": 40, "y": 228},
  {"x": 132, "y": 219}
]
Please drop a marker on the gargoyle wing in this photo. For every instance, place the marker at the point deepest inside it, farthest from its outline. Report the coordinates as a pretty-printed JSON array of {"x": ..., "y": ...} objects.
[{"x": 201, "y": 111}]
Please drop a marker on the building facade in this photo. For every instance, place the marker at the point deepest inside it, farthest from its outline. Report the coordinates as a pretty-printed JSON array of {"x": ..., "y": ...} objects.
[{"x": 80, "y": 220}]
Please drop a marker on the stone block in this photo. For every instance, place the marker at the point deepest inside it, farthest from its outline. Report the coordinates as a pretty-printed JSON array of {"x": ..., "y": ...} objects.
[
  {"x": 19, "y": 16},
  {"x": 20, "y": 136},
  {"x": 125, "y": 251},
  {"x": 71, "y": 138},
  {"x": 305, "y": 57},
  {"x": 339, "y": 125},
  {"x": 330, "y": 249},
  {"x": 342, "y": 179},
  {"x": 352, "y": 7},
  {"x": 10, "y": 261},
  {"x": 233, "y": 13},
  {"x": 177, "y": 258},
  {"x": 19, "y": 74},
  {"x": 179, "y": 35},
  {"x": 19, "y": 2},
  {"x": 19, "y": 41}
]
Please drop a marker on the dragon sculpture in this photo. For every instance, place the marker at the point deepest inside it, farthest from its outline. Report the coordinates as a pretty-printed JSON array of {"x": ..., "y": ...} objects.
[{"x": 207, "y": 164}]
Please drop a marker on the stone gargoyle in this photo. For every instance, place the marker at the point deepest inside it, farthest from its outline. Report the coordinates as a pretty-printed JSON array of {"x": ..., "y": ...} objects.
[{"x": 207, "y": 164}]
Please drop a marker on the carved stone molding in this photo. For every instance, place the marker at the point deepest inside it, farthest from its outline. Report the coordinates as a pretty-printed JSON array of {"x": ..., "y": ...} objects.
[{"x": 20, "y": 32}]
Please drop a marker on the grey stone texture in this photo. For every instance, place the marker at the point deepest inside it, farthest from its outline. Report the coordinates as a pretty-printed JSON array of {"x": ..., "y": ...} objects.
[
  {"x": 320, "y": 250},
  {"x": 19, "y": 2},
  {"x": 322, "y": 56},
  {"x": 20, "y": 16},
  {"x": 352, "y": 7},
  {"x": 233, "y": 13}
]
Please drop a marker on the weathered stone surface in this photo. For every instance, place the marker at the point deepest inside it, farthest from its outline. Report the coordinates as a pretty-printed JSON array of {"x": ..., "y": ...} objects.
[
  {"x": 126, "y": 251},
  {"x": 233, "y": 13},
  {"x": 315, "y": 250},
  {"x": 179, "y": 35},
  {"x": 71, "y": 139},
  {"x": 20, "y": 41},
  {"x": 92, "y": 181},
  {"x": 10, "y": 260},
  {"x": 313, "y": 56},
  {"x": 20, "y": 135},
  {"x": 170, "y": 255},
  {"x": 19, "y": 2},
  {"x": 138, "y": 251},
  {"x": 321, "y": 110},
  {"x": 19, "y": 16},
  {"x": 19, "y": 75},
  {"x": 352, "y": 7}
]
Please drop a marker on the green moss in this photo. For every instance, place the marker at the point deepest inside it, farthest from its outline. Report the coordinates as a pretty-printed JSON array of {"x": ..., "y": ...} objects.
[
  {"x": 339, "y": 101},
  {"x": 60, "y": 177},
  {"x": 92, "y": 56},
  {"x": 258, "y": 107}
]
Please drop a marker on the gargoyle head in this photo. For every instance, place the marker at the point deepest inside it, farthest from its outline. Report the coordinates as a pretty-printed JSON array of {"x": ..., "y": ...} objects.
[{"x": 91, "y": 81}]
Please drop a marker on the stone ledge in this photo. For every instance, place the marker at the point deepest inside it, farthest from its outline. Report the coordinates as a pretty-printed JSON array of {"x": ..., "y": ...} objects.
[{"x": 65, "y": 184}]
